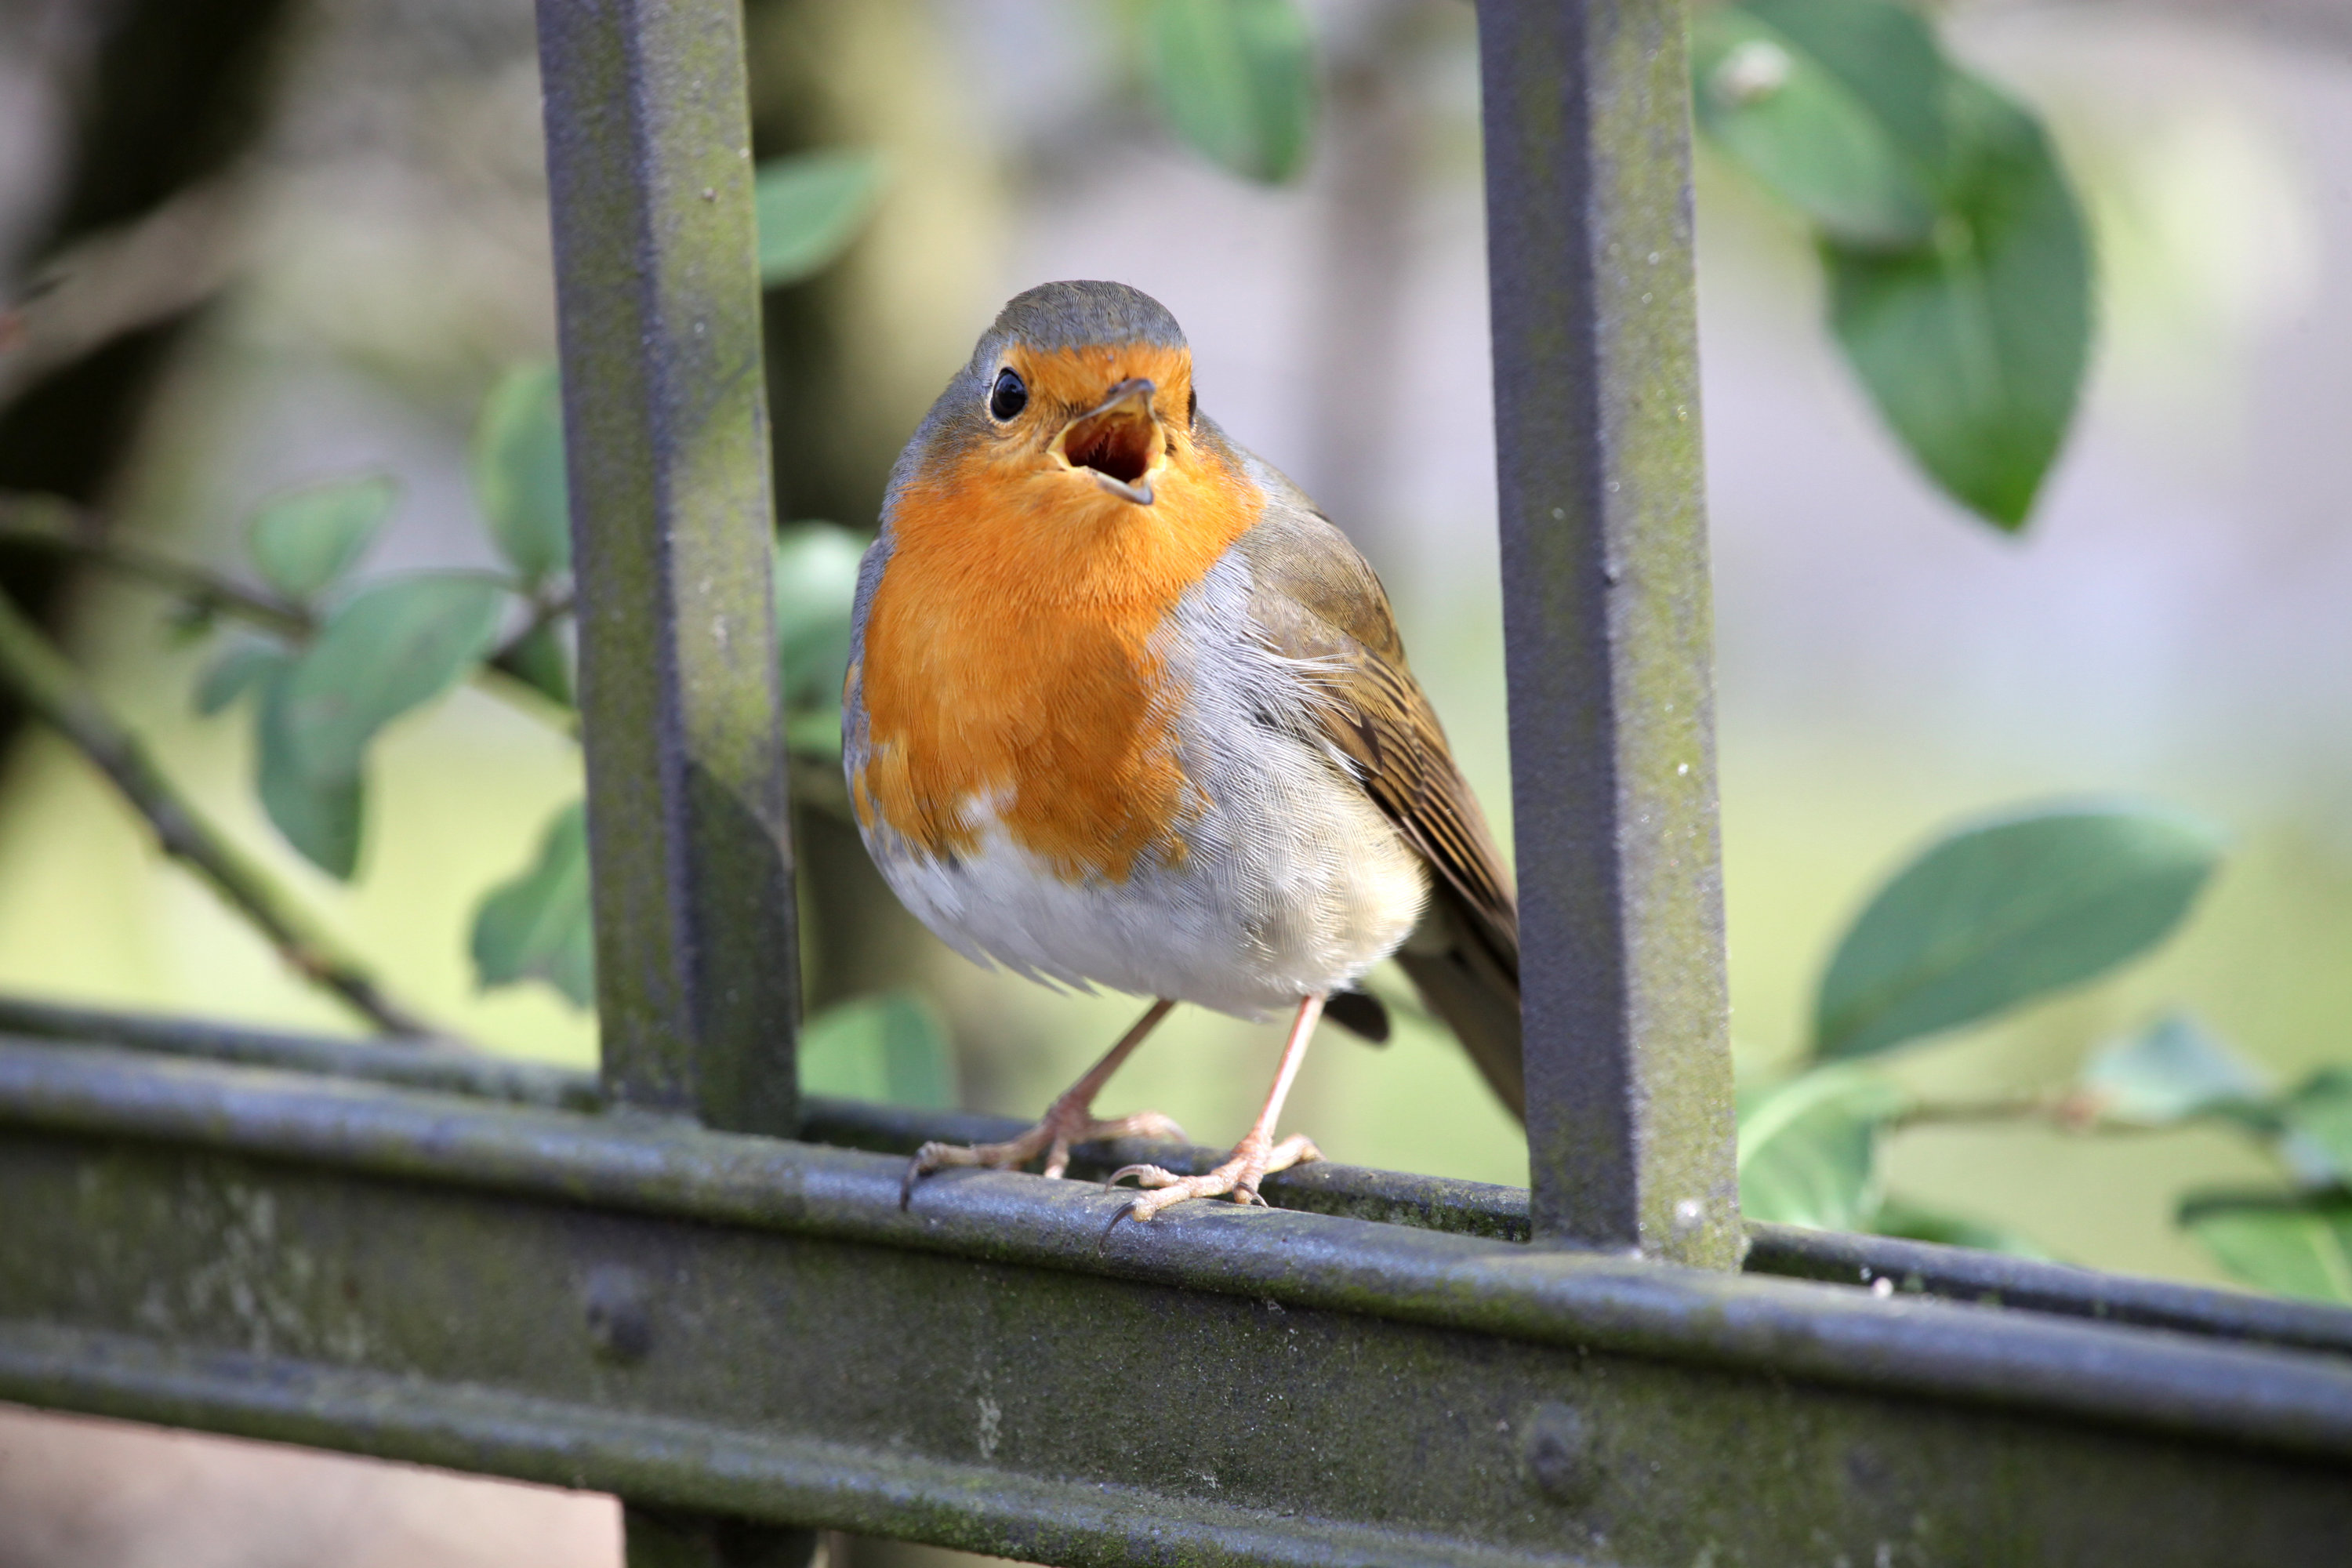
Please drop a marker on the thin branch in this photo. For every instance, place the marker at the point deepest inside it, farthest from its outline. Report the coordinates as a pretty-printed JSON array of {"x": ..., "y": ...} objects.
[
  {"x": 52, "y": 523},
  {"x": 545, "y": 611},
  {"x": 2071, "y": 1110},
  {"x": 150, "y": 270},
  {"x": 31, "y": 666},
  {"x": 49, "y": 522},
  {"x": 56, "y": 525}
]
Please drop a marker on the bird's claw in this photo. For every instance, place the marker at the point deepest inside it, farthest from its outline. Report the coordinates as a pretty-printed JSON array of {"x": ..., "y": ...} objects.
[
  {"x": 1236, "y": 1178},
  {"x": 1062, "y": 1127}
]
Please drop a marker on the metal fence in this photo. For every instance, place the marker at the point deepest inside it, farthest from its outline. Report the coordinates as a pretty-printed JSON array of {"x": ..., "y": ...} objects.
[{"x": 677, "y": 1283}]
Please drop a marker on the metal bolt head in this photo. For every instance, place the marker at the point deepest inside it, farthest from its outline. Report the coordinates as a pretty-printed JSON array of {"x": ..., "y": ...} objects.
[
  {"x": 618, "y": 1304},
  {"x": 1559, "y": 1453}
]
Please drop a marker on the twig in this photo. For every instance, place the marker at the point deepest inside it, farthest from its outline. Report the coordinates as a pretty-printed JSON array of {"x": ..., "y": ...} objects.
[
  {"x": 58, "y": 525},
  {"x": 545, "y": 611},
  {"x": 2068, "y": 1109},
  {"x": 31, "y": 666},
  {"x": 147, "y": 270},
  {"x": 52, "y": 523}
]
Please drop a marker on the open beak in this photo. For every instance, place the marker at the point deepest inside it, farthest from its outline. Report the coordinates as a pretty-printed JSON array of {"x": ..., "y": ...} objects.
[{"x": 1117, "y": 441}]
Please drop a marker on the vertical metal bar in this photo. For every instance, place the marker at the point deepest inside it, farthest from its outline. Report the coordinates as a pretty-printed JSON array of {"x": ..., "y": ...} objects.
[
  {"x": 649, "y": 175},
  {"x": 666, "y": 437},
  {"x": 1630, "y": 1137}
]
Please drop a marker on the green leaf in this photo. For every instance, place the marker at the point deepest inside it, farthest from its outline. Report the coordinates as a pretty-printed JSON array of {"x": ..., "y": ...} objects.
[
  {"x": 1808, "y": 1148},
  {"x": 235, "y": 670},
  {"x": 1834, "y": 106},
  {"x": 890, "y": 1047},
  {"x": 1912, "y": 1223},
  {"x": 2004, "y": 911},
  {"x": 816, "y": 566},
  {"x": 191, "y": 621},
  {"x": 2293, "y": 1244},
  {"x": 393, "y": 647},
  {"x": 2170, "y": 1071},
  {"x": 320, "y": 818},
  {"x": 2317, "y": 1119},
  {"x": 519, "y": 479},
  {"x": 302, "y": 542},
  {"x": 811, "y": 207},
  {"x": 542, "y": 661},
  {"x": 536, "y": 925},
  {"x": 1237, "y": 79},
  {"x": 1974, "y": 346}
]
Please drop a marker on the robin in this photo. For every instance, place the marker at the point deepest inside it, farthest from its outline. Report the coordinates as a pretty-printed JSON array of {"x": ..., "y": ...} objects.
[{"x": 1125, "y": 709}]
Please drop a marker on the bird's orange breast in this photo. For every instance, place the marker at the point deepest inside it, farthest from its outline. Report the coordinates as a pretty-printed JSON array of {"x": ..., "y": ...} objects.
[{"x": 1008, "y": 674}]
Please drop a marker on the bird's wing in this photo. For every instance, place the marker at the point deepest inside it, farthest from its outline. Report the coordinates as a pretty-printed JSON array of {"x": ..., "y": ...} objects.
[{"x": 1315, "y": 599}]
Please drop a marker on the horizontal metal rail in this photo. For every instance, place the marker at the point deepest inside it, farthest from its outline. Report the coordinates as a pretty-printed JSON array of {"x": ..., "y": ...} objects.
[
  {"x": 753, "y": 1327},
  {"x": 1354, "y": 1192},
  {"x": 414, "y": 1067}
]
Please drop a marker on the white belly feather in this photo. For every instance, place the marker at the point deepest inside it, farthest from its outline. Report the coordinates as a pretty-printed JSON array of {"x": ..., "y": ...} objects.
[{"x": 1292, "y": 882}]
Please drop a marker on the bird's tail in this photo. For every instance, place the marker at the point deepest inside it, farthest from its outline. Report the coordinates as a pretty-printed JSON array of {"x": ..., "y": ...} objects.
[{"x": 1466, "y": 965}]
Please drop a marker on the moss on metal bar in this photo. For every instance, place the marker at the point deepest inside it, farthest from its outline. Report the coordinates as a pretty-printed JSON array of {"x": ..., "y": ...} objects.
[
  {"x": 673, "y": 1171},
  {"x": 1631, "y": 1136},
  {"x": 649, "y": 178},
  {"x": 802, "y": 1353}
]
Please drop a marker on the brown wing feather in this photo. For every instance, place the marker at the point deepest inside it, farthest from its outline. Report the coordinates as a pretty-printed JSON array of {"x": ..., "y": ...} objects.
[{"x": 1315, "y": 598}]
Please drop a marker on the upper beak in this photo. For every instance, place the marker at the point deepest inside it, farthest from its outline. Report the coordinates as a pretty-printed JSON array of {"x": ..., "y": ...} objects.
[{"x": 1117, "y": 441}]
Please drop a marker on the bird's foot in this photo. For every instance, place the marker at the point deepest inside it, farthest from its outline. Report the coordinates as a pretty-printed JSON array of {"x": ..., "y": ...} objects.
[
  {"x": 1237, "y": 1177},
  {"x": 1066, "y": 1123}
]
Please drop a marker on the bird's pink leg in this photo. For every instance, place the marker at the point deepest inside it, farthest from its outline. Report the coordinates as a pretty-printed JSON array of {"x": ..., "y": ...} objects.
[
  {"x": 1069, "y": 1120},
  {"x": 1252, "y": 1159}
]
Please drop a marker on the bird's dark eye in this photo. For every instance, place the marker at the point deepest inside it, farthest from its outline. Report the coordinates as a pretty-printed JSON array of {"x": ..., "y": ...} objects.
[
  {"x": 1009, "y": 396},
  {"x": 1191, "y": 408}
]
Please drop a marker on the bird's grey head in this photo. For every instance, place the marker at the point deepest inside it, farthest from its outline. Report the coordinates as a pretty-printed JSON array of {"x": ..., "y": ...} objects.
[{"x": 1082, "y": 313}]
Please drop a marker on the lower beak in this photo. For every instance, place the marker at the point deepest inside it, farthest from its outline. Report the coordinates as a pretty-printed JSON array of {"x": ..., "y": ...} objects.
[{"x": 1117, "y": 441}]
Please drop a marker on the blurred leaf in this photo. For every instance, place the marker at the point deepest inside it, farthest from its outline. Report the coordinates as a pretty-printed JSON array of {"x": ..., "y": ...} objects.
[
  {"x": 1237, "y": 79},
  {"x": 537, "y": 926},
  {"x": 542, "y": 661},
  {"x": 1912, "y": 1223},
  {"x": 302, "y": 542},
  {"x": 320, "y": 818},
  {"x": 519, "y": 479},
  {"x": 391, "y": 648},
  {"x": 2292, "y": 1245},
  {"x": 190, "y": 621},
  {"x": 1974, "y": 346},
  {"x": 890, "y": 1047},
  {"x": 815, "y": 586},
  {"x": 2319, "y": 1117},
  {"x": 235, "y": 670},
  {"x": 1808, "y": 1148},
  {"x": 811, "y": 207},
  {"x": 1834, "y": 106},
  {"x": 2172, "y": 1070},
  {"x": 2004, "y": 911}
]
